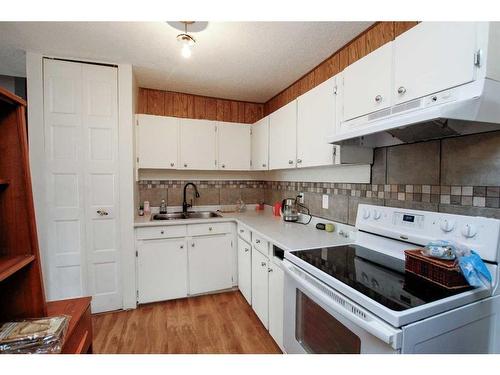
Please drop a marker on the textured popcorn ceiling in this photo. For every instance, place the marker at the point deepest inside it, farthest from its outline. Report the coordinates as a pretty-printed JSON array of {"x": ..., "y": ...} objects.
[{"x": 250, "y": 61}]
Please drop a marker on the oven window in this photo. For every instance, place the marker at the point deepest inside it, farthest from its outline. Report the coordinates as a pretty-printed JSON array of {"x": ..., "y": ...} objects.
[{"x": 319, "y": 332}]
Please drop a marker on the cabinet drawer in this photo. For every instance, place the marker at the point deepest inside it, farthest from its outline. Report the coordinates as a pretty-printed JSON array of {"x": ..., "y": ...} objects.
[
  {"x": 80, "y": 339},
  {"x": 148, "y": 233},
  {"x": 207, "y": 229},
  {"x": 244, "y": 233},
  {"x": 260, "y": 244}
]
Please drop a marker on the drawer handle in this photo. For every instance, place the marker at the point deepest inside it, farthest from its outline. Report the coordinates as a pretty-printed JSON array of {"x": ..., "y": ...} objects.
[
  {"x": 242, "y": 230},
  {"x": 182, "y": 246},
  {"x": 172, "y": 164},
  {"x": 264, "y": 165},
  {"x": 162, "y": 232},
  {"x": 246, "y": 250},
  {"x": 185, "y": 165},
  {"x": 263, "y": 264},
  {"x": 269, "y": 270},
  {"x": 210, "y": 228},
  {"x": 290, "y": 161},
  {"x": 102, "y": 213},
  {"x": 257, "y": 241}
]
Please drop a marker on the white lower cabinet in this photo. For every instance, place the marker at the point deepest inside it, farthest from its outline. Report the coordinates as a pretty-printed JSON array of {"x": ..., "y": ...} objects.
[
  {"x": 210, "y": 263},
  {"x": 276, "y": 296},
  {"x": 245, "y": 269},
  {"x": 260, "y": 286},
  {"x": 162, "y": 267}
]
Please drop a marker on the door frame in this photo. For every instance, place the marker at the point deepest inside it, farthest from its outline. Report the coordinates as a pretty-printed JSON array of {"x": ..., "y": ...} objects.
[{"x": 127, "y": 103}]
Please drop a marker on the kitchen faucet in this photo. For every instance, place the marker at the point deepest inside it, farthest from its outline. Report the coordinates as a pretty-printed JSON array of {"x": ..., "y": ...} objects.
[{"x": 186, "y": 205}]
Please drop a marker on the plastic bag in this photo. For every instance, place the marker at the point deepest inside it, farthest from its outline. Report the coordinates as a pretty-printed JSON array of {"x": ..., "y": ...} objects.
[
  {"x": 440, "y": 249},
  {"x": 474, "y": 270}
]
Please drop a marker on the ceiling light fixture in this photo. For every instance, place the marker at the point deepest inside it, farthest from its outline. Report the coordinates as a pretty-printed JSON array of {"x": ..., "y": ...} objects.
[{"x": 186, "y": 40}]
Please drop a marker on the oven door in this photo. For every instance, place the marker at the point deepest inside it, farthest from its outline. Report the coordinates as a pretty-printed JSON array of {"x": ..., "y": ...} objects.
[{"x": 319, "y": 319}]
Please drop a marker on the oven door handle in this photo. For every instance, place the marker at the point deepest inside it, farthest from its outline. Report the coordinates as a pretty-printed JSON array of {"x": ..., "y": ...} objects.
[{"x": 373, "y": 325}]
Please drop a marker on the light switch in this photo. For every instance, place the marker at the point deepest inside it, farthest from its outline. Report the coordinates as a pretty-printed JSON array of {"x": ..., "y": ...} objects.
[
  {"x": 325, "y": 201},
  {"x": 301, "y": 198}
]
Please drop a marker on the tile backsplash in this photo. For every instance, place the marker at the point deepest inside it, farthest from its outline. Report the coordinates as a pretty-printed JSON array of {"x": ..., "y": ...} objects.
[{"x": 456, "y": 175}]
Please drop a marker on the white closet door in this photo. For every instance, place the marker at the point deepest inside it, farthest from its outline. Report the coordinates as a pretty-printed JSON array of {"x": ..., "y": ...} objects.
[
  {"x": 100, "y": 123},
  {"x": 64, "y": 179}
]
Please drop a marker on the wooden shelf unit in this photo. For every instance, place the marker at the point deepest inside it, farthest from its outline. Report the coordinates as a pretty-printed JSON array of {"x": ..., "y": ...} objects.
[{"x": 21, "y": 285}]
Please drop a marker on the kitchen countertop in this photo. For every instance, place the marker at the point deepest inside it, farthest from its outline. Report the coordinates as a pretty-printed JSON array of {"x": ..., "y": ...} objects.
[{"x": 285, "y": 235}]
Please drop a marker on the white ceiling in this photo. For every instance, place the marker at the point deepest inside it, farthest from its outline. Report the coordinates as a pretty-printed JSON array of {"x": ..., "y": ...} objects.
[{"x": 250, "y": 61}]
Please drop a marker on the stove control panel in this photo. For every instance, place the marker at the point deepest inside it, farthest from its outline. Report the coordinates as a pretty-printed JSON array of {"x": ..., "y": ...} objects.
[{"x": 420, "y": 227}]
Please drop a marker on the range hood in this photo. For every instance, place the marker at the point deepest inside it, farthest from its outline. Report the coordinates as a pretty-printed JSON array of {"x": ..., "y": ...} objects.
[{"x": 467, "y": 109}]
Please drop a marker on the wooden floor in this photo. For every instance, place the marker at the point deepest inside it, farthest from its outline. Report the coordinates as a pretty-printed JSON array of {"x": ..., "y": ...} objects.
[{"x": 216, "y": 323}]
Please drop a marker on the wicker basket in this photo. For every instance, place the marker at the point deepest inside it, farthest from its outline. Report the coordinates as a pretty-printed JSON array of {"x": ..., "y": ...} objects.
[{"x": 444, "y": 273}]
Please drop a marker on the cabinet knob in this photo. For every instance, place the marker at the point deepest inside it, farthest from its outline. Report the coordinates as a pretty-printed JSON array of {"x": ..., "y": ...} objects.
[
  {"x": 247, "y": 249},
  {"x": 242, "y": 230},
  {"x": 172, "y": 164},
  {"x": 182, "y": 246},
  {"x": 102, "y": 213},
  {"x": 378, "y": 98},
  {"x": 162, "y": 232},
  {"x": 269, "y": 270},
  {"x": 290, "y": 161},
  {"x": 192, "y": 244},
  {"x": 185, "y": 165},
  {"x": 299, "y": 161},
  {"x": 264, "y": 165},
  {"x": 263, "y": 264},
  {"x": 210, "y": 228},
  {"x": 223, "y": 165},
  {"x": 257, "y": 241},
  {"x": 401, "y": 90}
]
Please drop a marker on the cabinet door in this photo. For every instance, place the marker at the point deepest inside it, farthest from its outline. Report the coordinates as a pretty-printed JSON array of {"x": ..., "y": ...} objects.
[
  {"x": 245, "y": 269},
  {"x": 276, "y": 296},
  {"x": 198, "y": 144},
  {"x": 162, "y": 270},
  {"x": 260, "y": 145},
  {"x": 433, "y": 56},
  {"x": 234, "y": 146},
  {"x": 368, "y": 83},
  {"x": 210, "y": 263},
  {"x": 316, "y": 120},
  {"x": 260, "y": 286},
  {"x": 283, "y": 137},
  {"x": 157, "y": 141}
]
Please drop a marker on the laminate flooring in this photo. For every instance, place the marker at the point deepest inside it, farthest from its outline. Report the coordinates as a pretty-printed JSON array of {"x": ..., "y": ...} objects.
[{"x": 215, "y": 323}]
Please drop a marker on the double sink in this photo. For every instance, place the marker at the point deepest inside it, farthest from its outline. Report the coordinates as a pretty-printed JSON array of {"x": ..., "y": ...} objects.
[{"x": 186, "y": 215}]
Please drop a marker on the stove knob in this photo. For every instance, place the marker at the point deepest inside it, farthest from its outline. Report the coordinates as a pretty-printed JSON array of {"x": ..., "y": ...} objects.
[
  {"x": 469, "y": 231},
  {"x": 376, "y": 214},
  {"x": 366, "y": 213},
  {"x": 447, "y": 225}
]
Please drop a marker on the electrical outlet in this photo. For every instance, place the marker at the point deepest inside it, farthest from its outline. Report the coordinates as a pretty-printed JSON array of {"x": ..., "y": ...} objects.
[
  {"x": 301, "y": 198},
  {"x": 325, "y": 201}
]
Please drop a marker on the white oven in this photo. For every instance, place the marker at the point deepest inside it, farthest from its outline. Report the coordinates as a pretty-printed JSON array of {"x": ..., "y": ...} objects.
[{"x": 319, "y": 320}]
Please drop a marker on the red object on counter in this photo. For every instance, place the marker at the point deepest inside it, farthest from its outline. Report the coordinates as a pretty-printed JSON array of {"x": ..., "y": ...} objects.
[
  {"x": 277, "y": 209},
  {"x": 259, "y": 207}
]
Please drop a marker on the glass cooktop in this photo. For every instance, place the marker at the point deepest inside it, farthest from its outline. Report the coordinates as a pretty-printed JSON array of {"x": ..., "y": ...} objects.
[{"x": 376, "y": 275}]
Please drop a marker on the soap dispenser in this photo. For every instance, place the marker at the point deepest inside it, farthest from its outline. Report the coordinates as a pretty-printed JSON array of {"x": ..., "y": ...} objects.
[{"x": 163, "y": 207}]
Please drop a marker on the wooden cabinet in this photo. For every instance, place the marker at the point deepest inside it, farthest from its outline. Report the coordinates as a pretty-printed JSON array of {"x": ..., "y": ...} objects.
[
  {"x": 368, "y": 83},
  {"x": 283, "y": 137},
  {"x": 316, "y": 116},
  {"x": 210, "y": 263},
  {"x": 276, "y": 296},
  {"x": 260, "y": 286},
  {"x": 233, "y": 146},
  {"x": 245, "y": 269},
  {"x": 260, "y": 144},
  {"x": 162, "y": 267},
  {"x": 433, "y": 56},
  {"x": 197, "y": 144},
  {"x": 157, "y": 141}
]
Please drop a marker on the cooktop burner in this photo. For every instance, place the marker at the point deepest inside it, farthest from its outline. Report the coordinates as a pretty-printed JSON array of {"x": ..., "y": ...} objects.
[{"x": 376, "y": 275}]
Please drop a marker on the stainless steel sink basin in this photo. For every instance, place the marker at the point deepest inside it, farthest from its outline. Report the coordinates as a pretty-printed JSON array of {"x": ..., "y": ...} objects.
[{"x": 188, "y": 215}]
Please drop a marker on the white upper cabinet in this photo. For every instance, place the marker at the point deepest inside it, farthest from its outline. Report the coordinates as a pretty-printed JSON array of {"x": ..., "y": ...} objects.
[
  {"x": 368, "y": 83},
  {"x": 283, "y": 137},
  {"x": 260, "y": 144},
  {"x": 157, "y": 141},
  {"x": 234, "y": 146},
  {"x": 197, "y": 144},
  {"x": 315, "y": 120},
  {"x": 433, "y": 56}
]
